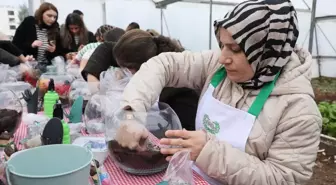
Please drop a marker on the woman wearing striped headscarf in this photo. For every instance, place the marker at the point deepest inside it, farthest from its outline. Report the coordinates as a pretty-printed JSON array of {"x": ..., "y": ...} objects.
[{"x": 257, "y": 120}]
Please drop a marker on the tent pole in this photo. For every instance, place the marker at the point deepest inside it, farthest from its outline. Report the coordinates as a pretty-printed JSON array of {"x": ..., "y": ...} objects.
[
  {"x": 210, "y": 25},
  {"x": 104, "y": 12},
  {"x": 312, "y": 26},
  {"x": 161, "y": 14}
]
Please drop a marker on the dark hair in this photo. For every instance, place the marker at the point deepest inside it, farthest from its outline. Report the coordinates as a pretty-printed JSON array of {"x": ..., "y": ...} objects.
[
  {"x": 114, "y": 34},
  {"x": 102, "y": 30},
  {"x": 53, "y": 30},
  {"x": 137, "y": 47},
  {"x": 153, "y": 32},
  {"x": 78, "y": 12},
  {"x": 74, "y": 19},
  {"x": 132, "y": 26}
]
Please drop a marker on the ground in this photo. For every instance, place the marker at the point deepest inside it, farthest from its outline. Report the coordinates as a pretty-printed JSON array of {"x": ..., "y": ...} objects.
[
  {"x": 325, "y": 168},
  {"x": 324, "y": 88}
]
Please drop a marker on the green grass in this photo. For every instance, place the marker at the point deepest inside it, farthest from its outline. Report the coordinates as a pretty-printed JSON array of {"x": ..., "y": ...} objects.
[{"x": 324, "y": 84}]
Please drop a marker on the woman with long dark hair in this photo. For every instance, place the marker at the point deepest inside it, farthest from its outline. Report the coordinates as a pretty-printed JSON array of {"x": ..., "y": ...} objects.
[
  {"x": 39, "y": 35},
  {"x": 75, "y": 35}
]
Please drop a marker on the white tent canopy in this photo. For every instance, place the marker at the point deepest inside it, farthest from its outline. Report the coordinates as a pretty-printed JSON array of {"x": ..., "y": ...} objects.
[{"x": 191, "y": 21}]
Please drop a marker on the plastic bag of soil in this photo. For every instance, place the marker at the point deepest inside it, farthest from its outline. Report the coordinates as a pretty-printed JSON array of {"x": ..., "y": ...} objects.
[
  {"x": 149, "y": 160},
  {"x": 179, "y": 171}
]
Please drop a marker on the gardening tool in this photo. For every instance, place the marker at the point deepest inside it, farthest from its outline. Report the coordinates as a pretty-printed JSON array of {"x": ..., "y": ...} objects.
[
  {"x": 32, "y": 100},
  {"x": 76, "y": 111}
]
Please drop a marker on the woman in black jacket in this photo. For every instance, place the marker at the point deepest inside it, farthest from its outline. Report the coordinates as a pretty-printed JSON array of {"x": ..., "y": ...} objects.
[
  {"x": 75, "y": 35},
  {"x": 39, "y": 35},
  {"x": 11, "y": 55}
]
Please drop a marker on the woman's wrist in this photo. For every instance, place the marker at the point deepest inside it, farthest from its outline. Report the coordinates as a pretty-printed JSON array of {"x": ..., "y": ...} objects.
[{"x": 208, "y": 136}]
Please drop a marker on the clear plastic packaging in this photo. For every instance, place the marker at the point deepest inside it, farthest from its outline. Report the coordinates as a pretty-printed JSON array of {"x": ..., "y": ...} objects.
[
  {"x": 62, "y": 84},
  {"x": 7, "y": 75},
  {"x": 93, "y": 115},
  {"x": 31, "y": 76},
  {"x": 112, "y": 84},
  {"x": 10, "y": 113},
  {"x": 73, "y": 69},
  {"x": 35, "y": 124},
  {"x": 114, "y": 79},
  {"x": 179, "y": 171},
  {"x": 150, "y": 160},
  {"x": 17, "y": 87},
  {"x": 79, "y": 88},
  {"x": 59, "y": 64}
]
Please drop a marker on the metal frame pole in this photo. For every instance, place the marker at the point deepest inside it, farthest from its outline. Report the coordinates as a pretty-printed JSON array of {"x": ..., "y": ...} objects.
[
  {"x": 317, "y": 53},
  {"x": 104, "y": 12},
  {"x": 312, "y": 27},
  {"x": 31, "y": 7},
  {"x": 161, "y": 14},
  {"x": 210, "y": 25}
]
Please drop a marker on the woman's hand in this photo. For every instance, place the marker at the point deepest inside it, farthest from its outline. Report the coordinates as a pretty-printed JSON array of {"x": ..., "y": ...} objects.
[
  {"x": 51, "y": 47},
  {"x": 37, "y": 43},
  {"x": 132, "y": 135},
  {"x": 70, "y": 56},
  {"x": 30, "y": 58},
  {"x": 80, "y": 47},
  {"x": 192, "y": 140}
]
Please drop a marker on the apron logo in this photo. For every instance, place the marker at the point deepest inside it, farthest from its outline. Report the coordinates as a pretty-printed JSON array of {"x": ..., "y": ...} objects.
[{"x": 210, "y": 126}]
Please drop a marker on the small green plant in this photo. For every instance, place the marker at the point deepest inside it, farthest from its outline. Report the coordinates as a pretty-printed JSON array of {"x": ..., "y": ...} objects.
[{"x": 328, "y": 112}]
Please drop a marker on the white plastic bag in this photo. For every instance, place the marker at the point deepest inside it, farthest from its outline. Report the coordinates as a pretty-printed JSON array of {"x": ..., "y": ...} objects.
[
  {"x": 35, "y": 124},
  {"x": 59, "y": 63},
  {"x": 114, "y": 80},
  {"x": 73, "y": 69},
  {"x": 6, "y": 74},
  {"x": 179, "y": 171},
  {"x": 93, "y": 116}
]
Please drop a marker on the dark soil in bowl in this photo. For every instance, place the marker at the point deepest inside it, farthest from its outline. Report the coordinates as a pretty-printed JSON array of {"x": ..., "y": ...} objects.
[{"x": 144, "y": 162}]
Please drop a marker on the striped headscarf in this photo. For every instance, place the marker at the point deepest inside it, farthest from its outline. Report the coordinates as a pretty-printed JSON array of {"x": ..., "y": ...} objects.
[{"x": 266, "y": 31}]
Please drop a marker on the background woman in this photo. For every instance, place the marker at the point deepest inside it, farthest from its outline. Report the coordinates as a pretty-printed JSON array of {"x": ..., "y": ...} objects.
[
  {"x": 89, "y": 48},
  {"x": 182, "y": 100},
  {"x": 102, "y": 57},
  {"x": 39, "y": 35},
  {"x": 257, "y": 122},
  {"x": 75, "y": 35}
]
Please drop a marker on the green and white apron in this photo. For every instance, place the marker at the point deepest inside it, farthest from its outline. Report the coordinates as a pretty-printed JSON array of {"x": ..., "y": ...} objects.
[{"x": 225, "y": 122}]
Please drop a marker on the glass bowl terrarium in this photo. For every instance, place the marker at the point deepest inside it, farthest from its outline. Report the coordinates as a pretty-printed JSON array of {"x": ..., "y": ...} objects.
[
  {"x": 62, "y": 85},
  {"x": 79, "y": 88},
  {"x": 150, "y": 161},
  {"x": 10, "y": 114}
]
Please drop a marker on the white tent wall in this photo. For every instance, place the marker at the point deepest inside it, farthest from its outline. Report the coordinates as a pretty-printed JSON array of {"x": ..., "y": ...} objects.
[{"x": 189, "y": 22}]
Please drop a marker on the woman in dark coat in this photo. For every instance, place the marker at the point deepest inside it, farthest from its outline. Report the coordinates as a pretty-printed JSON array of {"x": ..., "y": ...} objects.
[{"x": 39, "y": 35}]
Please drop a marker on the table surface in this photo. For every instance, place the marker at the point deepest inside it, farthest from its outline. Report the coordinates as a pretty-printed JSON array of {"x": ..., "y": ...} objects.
[{"x": 117, "y": 176}]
